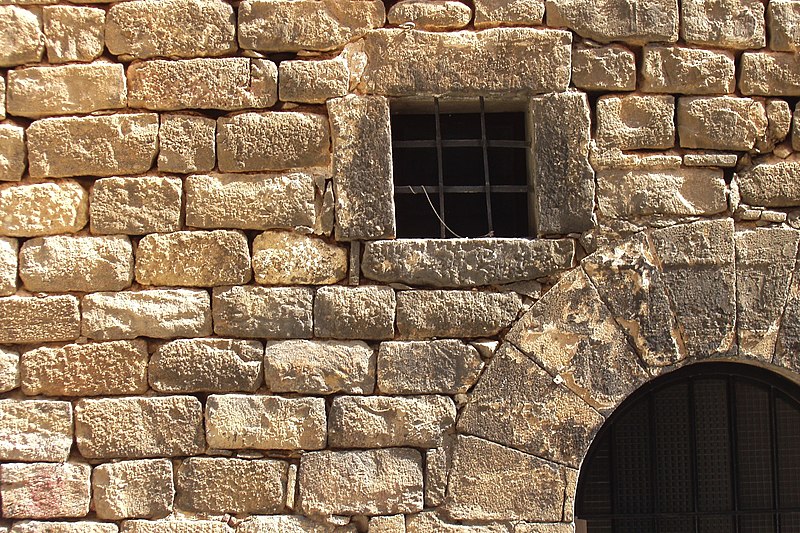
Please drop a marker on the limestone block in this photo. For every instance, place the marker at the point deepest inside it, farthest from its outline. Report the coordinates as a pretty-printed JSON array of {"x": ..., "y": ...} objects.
[
  {"x": 135, "y": 206},
  {"x": 9, "y": 370},
  {"x": 237, "y": 421},
  {"x": 631, "y": 122},
  {"x": 491, "y": 13},
  {"x": 313, "y": 82},
  {"x": 272, "y": 140},
  {"x": 417, "y": 63},
  {"x": 2, "y": 97},
  {"x": 616, "y": 20},
  {"x": 219, "y": 485},
  {"x": 435, "y": 15},
  {"x": 710, "y": 160},
  {"x": 133, "y": 489},
  {"x": 779, "y": 123},
  {"x": 430, "y": 522},
  {"x": 175, "y": 526},
  {"x": 136, "y": 428},
  {"x": 21, "y": 37},
  {"x": 783, "y": 17},
  {"x": 206, "y": 365},
  {"x": 365, "y": 312},
  {"x": 724, "y": 23},
  {"x": 285, "y": 524},
  {"x": 36, "y": 92},
  {"x": 319, "y": 367},
  {"x": 84, "y": 526},
  {"x": 220, "y": 83},
  {"x": 254, "y": 201},
  {"x": 13, "y": 154},
  {"x": 43, "y": 208},
  {"x": 61, "y": 263},
  {"x": 294, "y": 25},
  {"x": 171, "y": 28},
  {"x": 30, "y": 319},
  {"x": 771, "y": 184},
  {"x": 722, "y": 122},
  {"x": 161, "y": 314},
  {"x": 796, "y": 129},
  {"x": 73, "y": 33},
  {"x": 287, "y": 258},
  {"x": 425, "y": 314},
  {"x": 262, "y": 312},
  {"x": 387, "y": 524},
  {"x": 193, "y": 259},
  {"x": 604, "y": 68},
  {"x": 92, "y": 146},
  {"x": 186, "y": 143},
  {"x": 45, "y": 490},
  {"x": 770, "y": 74},
  {"x": 427, "y": 367},
  {"x": 8, "y": 266},
  {"x": 368, "y": 482},
  {"x": 35, "y": 430},
  {"x": 98, "y": 368},
  {"x": 437, "y": 468},
  {"x": 553, "y": 527},
  {"x": 679, "y": 69}
]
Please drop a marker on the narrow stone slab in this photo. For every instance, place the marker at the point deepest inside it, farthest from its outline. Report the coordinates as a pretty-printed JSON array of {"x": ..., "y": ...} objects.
[
  {"x": 175, "y": 526},
  {"x": 720, "y": 123},
  {"x": 679, "y": 69},
  {"x": 737, "y": 24},
  {"x": 604, "y": 68},
  {"x": 29, "y": 319},
  {"x": 432, "y": 522},
  {"x": 354, "y": 312},
  {"x": 427, "y": 367},
  {"x": 9, "y": 370},
  {"x": 282, "y": 523},
  {"x": 770, "y": 74},
  {"x": 22, "y": 36},
  {"x": 8, "y": 266},
  {"x": 133, "y": 489},
  {"x": 73, "y": 33},
  {"x": 136, "y": 206},
  {"x": 289, "y": 258},
  {"x": 46, "y": 208},
  {"x": 35, "y": 430},
  {"x": 13, "y": 154},
  {"x": 84, "y": 526},
  {"x": 313, "y": 82},
  {"x": 66, "y": 491},
  {"x": 261, "y": 312},
  {"x": 771, "y": 184},
  {"x": 186, "y": 143},
  {"x": 616, "y": 20}
]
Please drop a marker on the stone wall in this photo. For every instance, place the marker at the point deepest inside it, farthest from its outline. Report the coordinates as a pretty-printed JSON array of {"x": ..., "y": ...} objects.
[{"x": 207, "y": 324}]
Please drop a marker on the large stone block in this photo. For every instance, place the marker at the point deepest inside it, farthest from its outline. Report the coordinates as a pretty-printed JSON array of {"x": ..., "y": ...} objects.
[
  {"x": 73, "y": 33},
  {"x": 92, "y": 146},
  {"x": 44, "y": 208},
  {"x": 723, "y": 23},
  {"x": 679, "y": 69},
  {"x": 13, "y": 154},
  {"x": 771, "y": 184},
  {"x": 354, "y": 312},
  {"x": 617, "y": 20},
  {"x": 632, "y": 122},
  {"x": 604, "y": 68},
  {"x": 261, "y": 312},
  {"x": 784, "y": 19},
  {"x": 288, "y": 258},
  {"x": 721, "y": 123},
  {"x": 29, "y": 319},
  {"x": 491, "y": 13},
  {"x": 427, "y": 367},
  {"x": 35, "y": 430},
  {"x": 136, "y": 206},
  {"x": 770, "y": 74},
  {"x": 84, "y": 526},
  {"x": 8, "y": 266},
  {"x": 313, "y": 82},
  {"x": 175, "y": 526},
  {"x": 133, "y": 489},
  {"x": 9, "y": 370},
  {"x": 45, "y": 490},
  {"x": 186, "y": 143},
  {"x": 21, "y": 38}
]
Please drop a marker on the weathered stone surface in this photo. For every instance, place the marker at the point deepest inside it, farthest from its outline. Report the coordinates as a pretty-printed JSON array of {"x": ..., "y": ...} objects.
[
  {"x": 91, "y": 369},
  {"x": 722, "y": 122},
  {"x": 133, "y": 489},
  {"x": 262, "y": 312},
  {"x": 193, "y": 259},
  {"x": 219, "y": 485},
  {"x": 354, "y": 312},
  {"x": 73, "y": 33},
  {"x": 2, "y": 97},
  {"x": 425, "y": 314},
  {"x": 437, "y": 468},
  {"x": 135, "y": 206},
  {"x": 607, "y": 158},
  {"x": 779, "y": 123},
  {"x": 369, "y": 482},
  {"x": 604, "y": 68},
  {"x": 387, "y": 524},
  {"x": 30, "y": 319},
  {"x": 8, "y": 266},
  {"x": 35, "y": 430},
  {"x": 92, "y": 146},
  {"x": 636, "y": 193},
  {"x": 436, "y": 15},
  {"x": 616, "y": 20},
  {"x": 796, "y": 129},
  {"x": 416, "y": 63},
  {"x": 288, "y": 258},
  {"x": 723, "y": 23},
  {"x": 175, "y": 526},
  {"x": 313, "y": 82},
  {"x": 186, "y": 143},
  {"x": 139, "y": 427},
  {"x": 45, "y": 490},
  {"x": 161, "y": 314},
  {"x": 285, "y": 524},
  {"x": 491, "y": 13},
  {"x": 9, "y": 370},
  {"x": 84, "y": 526},
  {"x": 533, "y": 489},
  {"x": 710, "y": 160},
  {"x": 430, "y": 522},
  {"x": 679, "y": 69},
  {"x": 172, "y": 28},
  {"x": 21, "y": 38},
  {"x": 784, "y": 19},
  {"x": 13, "y": 154},
  {"x": 771, "y": 184},
  {"x": 237, "y": 421},
  {"x": 435, "y": 367},
  {"x": 770, "y": 74},
  {"x": 544, "y": 527},
  {"x": 45, "y": 208},
  {"x": 631, "y": 122},
  {"x": 65, "y": 90},
  {"x": 319, "y": 367}
]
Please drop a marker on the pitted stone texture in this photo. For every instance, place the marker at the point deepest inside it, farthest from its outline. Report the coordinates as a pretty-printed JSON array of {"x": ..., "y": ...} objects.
[
  {"x": 175, "y": 526},
  {"x": 435, "y": 367},
  {"x": 426, "y": 314},
  {"x": 73, "y": 33},
  {"x": 9, "y": 370},
  {"x": 8, "y": 266},
  {"x": 2, "y": 97},
  {"x": 710, "y": 160},
  {"x": 721, "y": 123},
  {"x": 369, "y": 482},
  {"x": 294, "y": 25},
  {"x": 91, "y": 369},
  {"x": 365, "y": 312},
  {"x": 133, "y": 489},
  {"x": 136, "y": 206},
  {"x": 437, "y": 468},
  {"x": 219, "y": 485},
  {"x": 171, "y": 28},
  {"x": 210, "y": 83},
  {"x": 636, "y": 193},
  {"x": 35, "y": 430},
  {"x": 65, "y": 90},
  {"x": 29, "y": 319},
  {"x": 616, "y": 20},
  {"x": 136, "y": 428},
  {"x": 13, "y": 154},
  {"x": 554, "y": 527},
  {"x": 779, "y": 120},
  {"x": 286, "y": 524},
  {"x": 679, "y": 69},
  {"x": 288, "y": 258},
  {"x": 45, "y": 490},
  {"x": 532, "y": 489},
  {"x": 430, "y": 522},
  {"x": 770, "y": 74},
  {"x": 84, "y": 526},
  {"x": 193, "y": 259},
  {"x": 186, "y": 143},
  {"x": 435, "y": 15},
  {"x": 387, "y": 524},
  {"x": 416, "y": 63},
  {"x": 796, "y": 128},
  {"x": 21, "y": 38},
  {"x": 237, "y": 421},
  {"x": 735, "y": 24},
  {"x": 92, "y": 146},
  {"x": 518, "y": 404},
  {"x": 313, "y": 82},
  {"x": 272, "y": 140},
  {"x": 632, "y": 122},
  {"x": 784, "y": 19},
  {"x": 604, "y": 68},
  {"x": 63, "y": 263},
  {"x": 319, "y": 367},
  {"x": 491, "y": 13},
  {"x": 771, "y": 184},
  {"x": 261, "y": 312},
  {"x": 206, "y": 365},
  {"x": 161, "y": 314}
]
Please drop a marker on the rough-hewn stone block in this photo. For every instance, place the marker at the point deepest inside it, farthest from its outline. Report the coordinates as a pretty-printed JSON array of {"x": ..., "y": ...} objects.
[
  {"x": 796, "y": 128},
  {"x": 32, "y": 209},
  {"x": 73, "y": 33},
  {"x": 186, "y": 143},
  {"x": 261, "y": 312},
  {"x": 133, "y": 489},
  {"x": 431, "y": 522},
  {"x": 175, "y": 526},
  {"x": 9, "y": 370},
  {"x": 8, "y": 266},
  {"x": 287, "y": 258},
  {"x": 770, "y": 74},
  {"x": 604, "y": 68},
  {"x": 21, "y": 38},
  {"x": 616, "y": 20},
  {"x": 354, "y": 312},
  {"x": 45, "y": 490},
  {"x": 721, "y": 123},
  {"x": 13, "y": 154},
  {"x": 84, "y": 526},
  {"x": 35, "y": 430},
  {"x": 435, "y": 367},
  {"x": 287, "y": 524},
  {"x": 723, "y": 23},
  {"x": 491, "y": 13},
  {"x": 679, "y": 69},
  {"x": 387, "y": 524},
  {"x": 784, "y": 18},
  {"x": 135, "y": 206},
  {"x": 313, "y": 82},
  {"x": 30, "y": 319},
  {"x": 2, "y": 97},
  {"x": 771, "y": 184},
  {"x": 439, "y": 15},
  {"x": 631, "y": 122}
]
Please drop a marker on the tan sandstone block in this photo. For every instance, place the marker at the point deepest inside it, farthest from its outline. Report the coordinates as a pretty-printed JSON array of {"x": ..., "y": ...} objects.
[
  {"x": 679, "y": 69},
  {"x": 35, "y": 430},
  {"x": 313, "y": 82},
  {"x": 724, "y": 23},
  {"x": 283, "y": 523},
  {"x": 770, "y": 74},
  {"x": 46, "y": 208},
  {"x": 796, "y": 128},
  {"x": 21, "y": 37},
  {"x": 2, "y": 97},
  {"x": 175, "y": 526},
  {"x": 444, "y": 366},
  {"x": 133, "y": 489},
  {"x": 491, "y": 13},
  {"x": 771, "y": 184},
  {"x": 45, "y": 490},
  {"x": 9, "y": 370},
  {"x": 186, "y": 143},
  {"x": 615, "y": 20},
  {"x": 431, "y": 522},
  {"x": 288, "y": 258},
  {"x": 784, "y": 21},
  {"x": 604, "y": 68},
  {"x": 47, "y": 319},
  {"x": 632, "y": 122},
  {"x": 722, "y": 123},
  {"x": 73, "y": 33},
  {"x": 264, "y": 312},
  {"x": 135, "y": 206},
  {"x": 365, "y": 312},
  {"x": 8, "y": 266},
  {"x": 84, "y": 526},
  {"x": 431, "y": 15},
  {"x": 387, "y": 524},
  {"x": 13, "y": 155}
]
